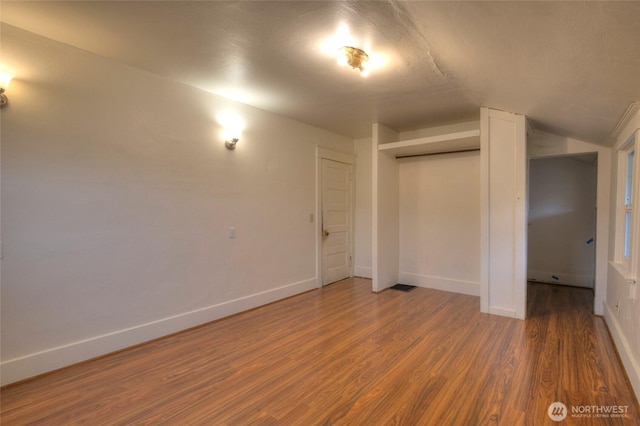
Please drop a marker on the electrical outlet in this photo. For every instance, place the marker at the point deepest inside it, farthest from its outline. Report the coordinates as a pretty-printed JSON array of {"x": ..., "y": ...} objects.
[{"x": 231, "y": 232}]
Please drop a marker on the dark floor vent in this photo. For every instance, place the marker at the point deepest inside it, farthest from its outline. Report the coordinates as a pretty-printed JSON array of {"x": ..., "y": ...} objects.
[{"x": 403, "y": 287}]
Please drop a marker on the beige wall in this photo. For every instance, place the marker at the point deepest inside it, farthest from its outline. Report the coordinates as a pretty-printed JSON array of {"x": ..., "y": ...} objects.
[{"x": 117, "y": 196}]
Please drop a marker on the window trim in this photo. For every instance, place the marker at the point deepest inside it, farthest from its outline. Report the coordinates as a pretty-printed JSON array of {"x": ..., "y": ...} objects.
[
  {"x": 626, "y": 206},
  {"x": 629, "y": 196}
]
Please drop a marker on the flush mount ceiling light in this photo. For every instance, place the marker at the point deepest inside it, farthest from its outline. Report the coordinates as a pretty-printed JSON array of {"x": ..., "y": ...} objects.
[{"x": 355, "y": 58}]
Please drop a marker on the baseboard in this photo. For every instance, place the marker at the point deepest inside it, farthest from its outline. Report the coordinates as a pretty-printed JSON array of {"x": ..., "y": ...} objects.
[
  {"x": 575, "y": 280},
  {"x": 503, "y": 312},
  {"x": 471, "y": 288},
  {"x": 362, "y": 271},
  {"x": 630, "y": 363},
  {"x": 34, "y": 364}
]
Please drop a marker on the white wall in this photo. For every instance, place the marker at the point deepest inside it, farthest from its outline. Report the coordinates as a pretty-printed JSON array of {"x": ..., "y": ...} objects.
[
  {"x": 624, "y": 325},
  {"x": 362, "y": 264},
  {"x": 439, "y": 130},
  {"x": 117, "y": 192},
  {"x": 562, "y": 220},
  {"x": 440, "y": 222},
  {"x": 503, "y": 164},
  {"x": 385, "y": 215}
]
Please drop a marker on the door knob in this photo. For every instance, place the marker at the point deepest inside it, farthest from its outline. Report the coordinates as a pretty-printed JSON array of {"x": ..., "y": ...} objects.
[{"x": 325, "y": 233}]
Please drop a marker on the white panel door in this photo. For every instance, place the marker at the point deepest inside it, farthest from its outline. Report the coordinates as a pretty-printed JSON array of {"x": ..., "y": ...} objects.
[{"x": 336, "y": 221}]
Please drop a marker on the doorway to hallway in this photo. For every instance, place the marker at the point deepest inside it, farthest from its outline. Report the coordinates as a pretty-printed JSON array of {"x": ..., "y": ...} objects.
[{"x": 562, "y": 220}]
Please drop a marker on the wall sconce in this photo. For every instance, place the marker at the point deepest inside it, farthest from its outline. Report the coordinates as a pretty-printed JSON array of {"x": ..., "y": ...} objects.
[
  {"x": 231, "y": 143},
  {"x": 5, "y": 79},
  {"x": 232, "y": 126}
]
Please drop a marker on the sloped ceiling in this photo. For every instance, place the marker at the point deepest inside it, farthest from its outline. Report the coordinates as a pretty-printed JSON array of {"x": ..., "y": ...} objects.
[{"x": 572, "y": 67}]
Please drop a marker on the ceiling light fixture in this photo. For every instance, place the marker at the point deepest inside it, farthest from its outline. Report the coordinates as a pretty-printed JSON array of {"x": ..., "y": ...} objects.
[{"x": 355, "y": 58}]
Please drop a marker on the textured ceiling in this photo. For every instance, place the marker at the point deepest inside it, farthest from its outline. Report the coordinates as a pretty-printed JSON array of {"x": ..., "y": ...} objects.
[{"x": 572, "y": 67}]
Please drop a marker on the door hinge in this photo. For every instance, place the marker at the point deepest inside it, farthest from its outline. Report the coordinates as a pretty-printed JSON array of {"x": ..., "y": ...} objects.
[{"x": 349, "y": 260}]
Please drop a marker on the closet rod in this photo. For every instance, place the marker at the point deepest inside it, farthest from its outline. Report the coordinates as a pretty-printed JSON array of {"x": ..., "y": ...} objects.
[{"x": 437, "y": 153}]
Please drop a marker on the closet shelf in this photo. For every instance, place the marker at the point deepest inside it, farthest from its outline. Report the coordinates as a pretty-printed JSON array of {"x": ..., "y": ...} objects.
[{"x": 449, "y": 142}]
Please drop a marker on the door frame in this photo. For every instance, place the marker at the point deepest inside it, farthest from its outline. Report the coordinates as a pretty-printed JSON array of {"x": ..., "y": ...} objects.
[
  {"x": 341, "y": 157},
  {"x": 542, "y": 148},
  {"x": 595, "y": 206}
]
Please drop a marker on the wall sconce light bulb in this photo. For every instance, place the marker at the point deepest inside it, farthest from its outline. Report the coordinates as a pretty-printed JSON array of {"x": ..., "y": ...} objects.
[
  {"x": 5, "y": 79},
  {"x": 231, "y": 143}
]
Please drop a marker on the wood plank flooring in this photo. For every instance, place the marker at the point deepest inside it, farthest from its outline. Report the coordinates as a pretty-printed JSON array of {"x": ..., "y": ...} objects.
[{"x": 342, "y": 355}]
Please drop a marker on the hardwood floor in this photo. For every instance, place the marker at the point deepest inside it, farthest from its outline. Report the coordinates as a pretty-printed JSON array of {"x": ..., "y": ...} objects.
[{"x": 345, "y": 356}]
